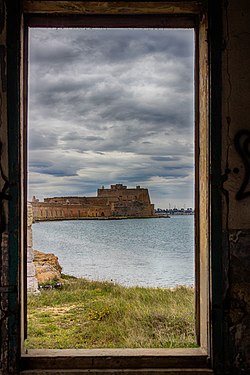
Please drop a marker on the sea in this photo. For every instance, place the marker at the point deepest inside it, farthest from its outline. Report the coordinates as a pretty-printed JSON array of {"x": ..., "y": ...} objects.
[{"x": 155, "y": 252}]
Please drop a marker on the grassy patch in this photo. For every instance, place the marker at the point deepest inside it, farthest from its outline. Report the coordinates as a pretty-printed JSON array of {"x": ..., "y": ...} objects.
[{"x": 92, "y": 314}]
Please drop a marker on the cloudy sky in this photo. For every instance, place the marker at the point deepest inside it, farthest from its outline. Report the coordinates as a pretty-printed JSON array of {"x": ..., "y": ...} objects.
[{"x": 111, "y": 106}]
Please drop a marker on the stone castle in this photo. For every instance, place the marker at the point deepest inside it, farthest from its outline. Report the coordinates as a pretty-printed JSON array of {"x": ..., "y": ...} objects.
[{"x": 118, "y": 201}]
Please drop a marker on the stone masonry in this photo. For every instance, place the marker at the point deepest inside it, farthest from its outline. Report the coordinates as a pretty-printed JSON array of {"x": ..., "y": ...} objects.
[
  {"x": 118, "y": 201},
  {"x": 32, "y": 284}
]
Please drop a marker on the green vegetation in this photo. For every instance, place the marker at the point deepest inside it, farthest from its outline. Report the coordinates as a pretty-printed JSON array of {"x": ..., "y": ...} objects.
[{"x": 92, "y": 314}]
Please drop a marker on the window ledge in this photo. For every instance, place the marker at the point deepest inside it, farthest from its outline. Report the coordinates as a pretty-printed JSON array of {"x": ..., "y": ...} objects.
[{"x": 150, "y": 361}]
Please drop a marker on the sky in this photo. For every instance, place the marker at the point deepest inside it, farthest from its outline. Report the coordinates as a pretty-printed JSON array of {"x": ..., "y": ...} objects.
[{"x": 110, "y": 106}]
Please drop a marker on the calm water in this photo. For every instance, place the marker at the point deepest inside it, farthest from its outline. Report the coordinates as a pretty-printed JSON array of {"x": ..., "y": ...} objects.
[{"x": 146, "y": 252}]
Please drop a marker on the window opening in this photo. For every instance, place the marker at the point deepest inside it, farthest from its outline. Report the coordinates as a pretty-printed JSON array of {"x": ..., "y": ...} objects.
[{"x": 113, "y": 109}]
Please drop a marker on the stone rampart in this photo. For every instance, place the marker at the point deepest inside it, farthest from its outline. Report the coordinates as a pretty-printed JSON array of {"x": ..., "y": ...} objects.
[
  {"x": 118, "y": 201},
  {"x": 137, "y": 194}
]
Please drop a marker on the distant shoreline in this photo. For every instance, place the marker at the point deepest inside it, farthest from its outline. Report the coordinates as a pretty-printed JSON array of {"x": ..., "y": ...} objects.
[{"x": 100, "y": 218}]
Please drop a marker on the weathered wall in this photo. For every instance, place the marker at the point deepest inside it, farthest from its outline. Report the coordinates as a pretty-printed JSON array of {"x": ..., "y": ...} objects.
[
  {"x": 32, "y": 283},
  {"x": 132, "y": 208},
  {"x": 96, "y": 201},
  {"x": 4, "y": 194},
  {"x": 50, "y": 211},
  {"x": 139, "y": 194},
  {"x": 236, "y": 186}
]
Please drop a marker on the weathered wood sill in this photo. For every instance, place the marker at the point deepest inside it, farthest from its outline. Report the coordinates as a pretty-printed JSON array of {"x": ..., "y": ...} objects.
[{"x": 116, "y": 361}]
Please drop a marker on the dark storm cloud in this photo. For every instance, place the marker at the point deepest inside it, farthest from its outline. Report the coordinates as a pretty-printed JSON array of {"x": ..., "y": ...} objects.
[
  {"x": 109, "y": 45},
  {"x": 56, "y": 172},
  {"x": 110, "y": 106},
  {"x": 54, "y": 52},
  {"x": 39, "y": 164},
  {"x": 74, "y": 136},
  {"x": 50, "y": 168},
  {"x": 122, "y": 48},
  {"x": 165, "y": 158},
  {"x": 41, "y": 139}
]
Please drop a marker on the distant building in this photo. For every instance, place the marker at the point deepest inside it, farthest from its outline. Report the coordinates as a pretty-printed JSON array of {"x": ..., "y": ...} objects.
[
  {"x": 174, "y": 211},
  {"x": 118, "y": 201}
]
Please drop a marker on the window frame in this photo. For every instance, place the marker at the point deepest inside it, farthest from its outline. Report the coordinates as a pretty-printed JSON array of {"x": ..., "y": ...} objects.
[{"x": 173, "y": 14}]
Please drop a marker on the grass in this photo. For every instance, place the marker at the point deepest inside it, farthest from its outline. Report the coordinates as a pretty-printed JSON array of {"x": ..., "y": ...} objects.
[{"x": 93, "y": 314}]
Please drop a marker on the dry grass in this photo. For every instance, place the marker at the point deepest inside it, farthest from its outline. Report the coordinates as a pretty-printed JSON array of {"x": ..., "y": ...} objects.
[{"x": 91, "y": 314}]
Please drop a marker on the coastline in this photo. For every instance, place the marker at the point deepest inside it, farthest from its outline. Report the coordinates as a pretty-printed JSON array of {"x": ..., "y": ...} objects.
[
  {"x": 97, "y": 218},
  {"x": 122, "y": 249}
]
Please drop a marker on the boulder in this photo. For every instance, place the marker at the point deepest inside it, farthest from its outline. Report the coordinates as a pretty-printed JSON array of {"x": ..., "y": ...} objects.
[{"x": 47, "y": 267}]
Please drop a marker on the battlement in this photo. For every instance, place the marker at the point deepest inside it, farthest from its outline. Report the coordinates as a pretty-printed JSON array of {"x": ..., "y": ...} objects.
[
  {"x": 120, "y": 192},
  {"x": 118, "y": 187}
]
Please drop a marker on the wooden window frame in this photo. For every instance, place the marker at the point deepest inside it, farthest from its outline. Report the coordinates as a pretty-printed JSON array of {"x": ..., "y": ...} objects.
[{"x": 172, "y": 14}]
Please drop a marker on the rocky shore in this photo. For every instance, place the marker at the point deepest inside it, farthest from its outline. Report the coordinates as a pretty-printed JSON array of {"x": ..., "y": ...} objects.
[{"x": 47, "y": 267}]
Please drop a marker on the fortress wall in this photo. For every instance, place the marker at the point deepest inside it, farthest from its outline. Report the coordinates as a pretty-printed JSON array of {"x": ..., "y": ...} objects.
[
  {"x": 77, "y": 200},
  {"x": 138, "y": 194},
  {"x": 132, "y": 208},
  {"x": 116, "y": 201},
  {"x": 56, "y": 211},
  {"x": 142, "y": 195}
]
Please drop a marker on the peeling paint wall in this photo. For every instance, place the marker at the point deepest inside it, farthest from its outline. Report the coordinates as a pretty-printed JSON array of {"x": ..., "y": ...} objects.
[
  {"x": 9, "y": 186},
  {"x": 236, "y": 188},
  {"x": 4, "y": 190}
]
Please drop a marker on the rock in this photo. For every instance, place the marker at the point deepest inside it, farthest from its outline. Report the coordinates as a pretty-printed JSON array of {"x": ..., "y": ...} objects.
[{"x": 47, "y": 267}]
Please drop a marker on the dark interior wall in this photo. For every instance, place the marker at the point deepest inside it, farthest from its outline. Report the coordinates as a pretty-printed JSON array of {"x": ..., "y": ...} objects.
[
  {"x": 231, "y": 338},
  {"x": 235, "y": 169},
  {"x": 4, "y": 194}
]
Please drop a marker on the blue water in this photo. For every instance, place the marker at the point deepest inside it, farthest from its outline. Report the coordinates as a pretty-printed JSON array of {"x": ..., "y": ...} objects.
[{"x": 145, "y": 252}]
